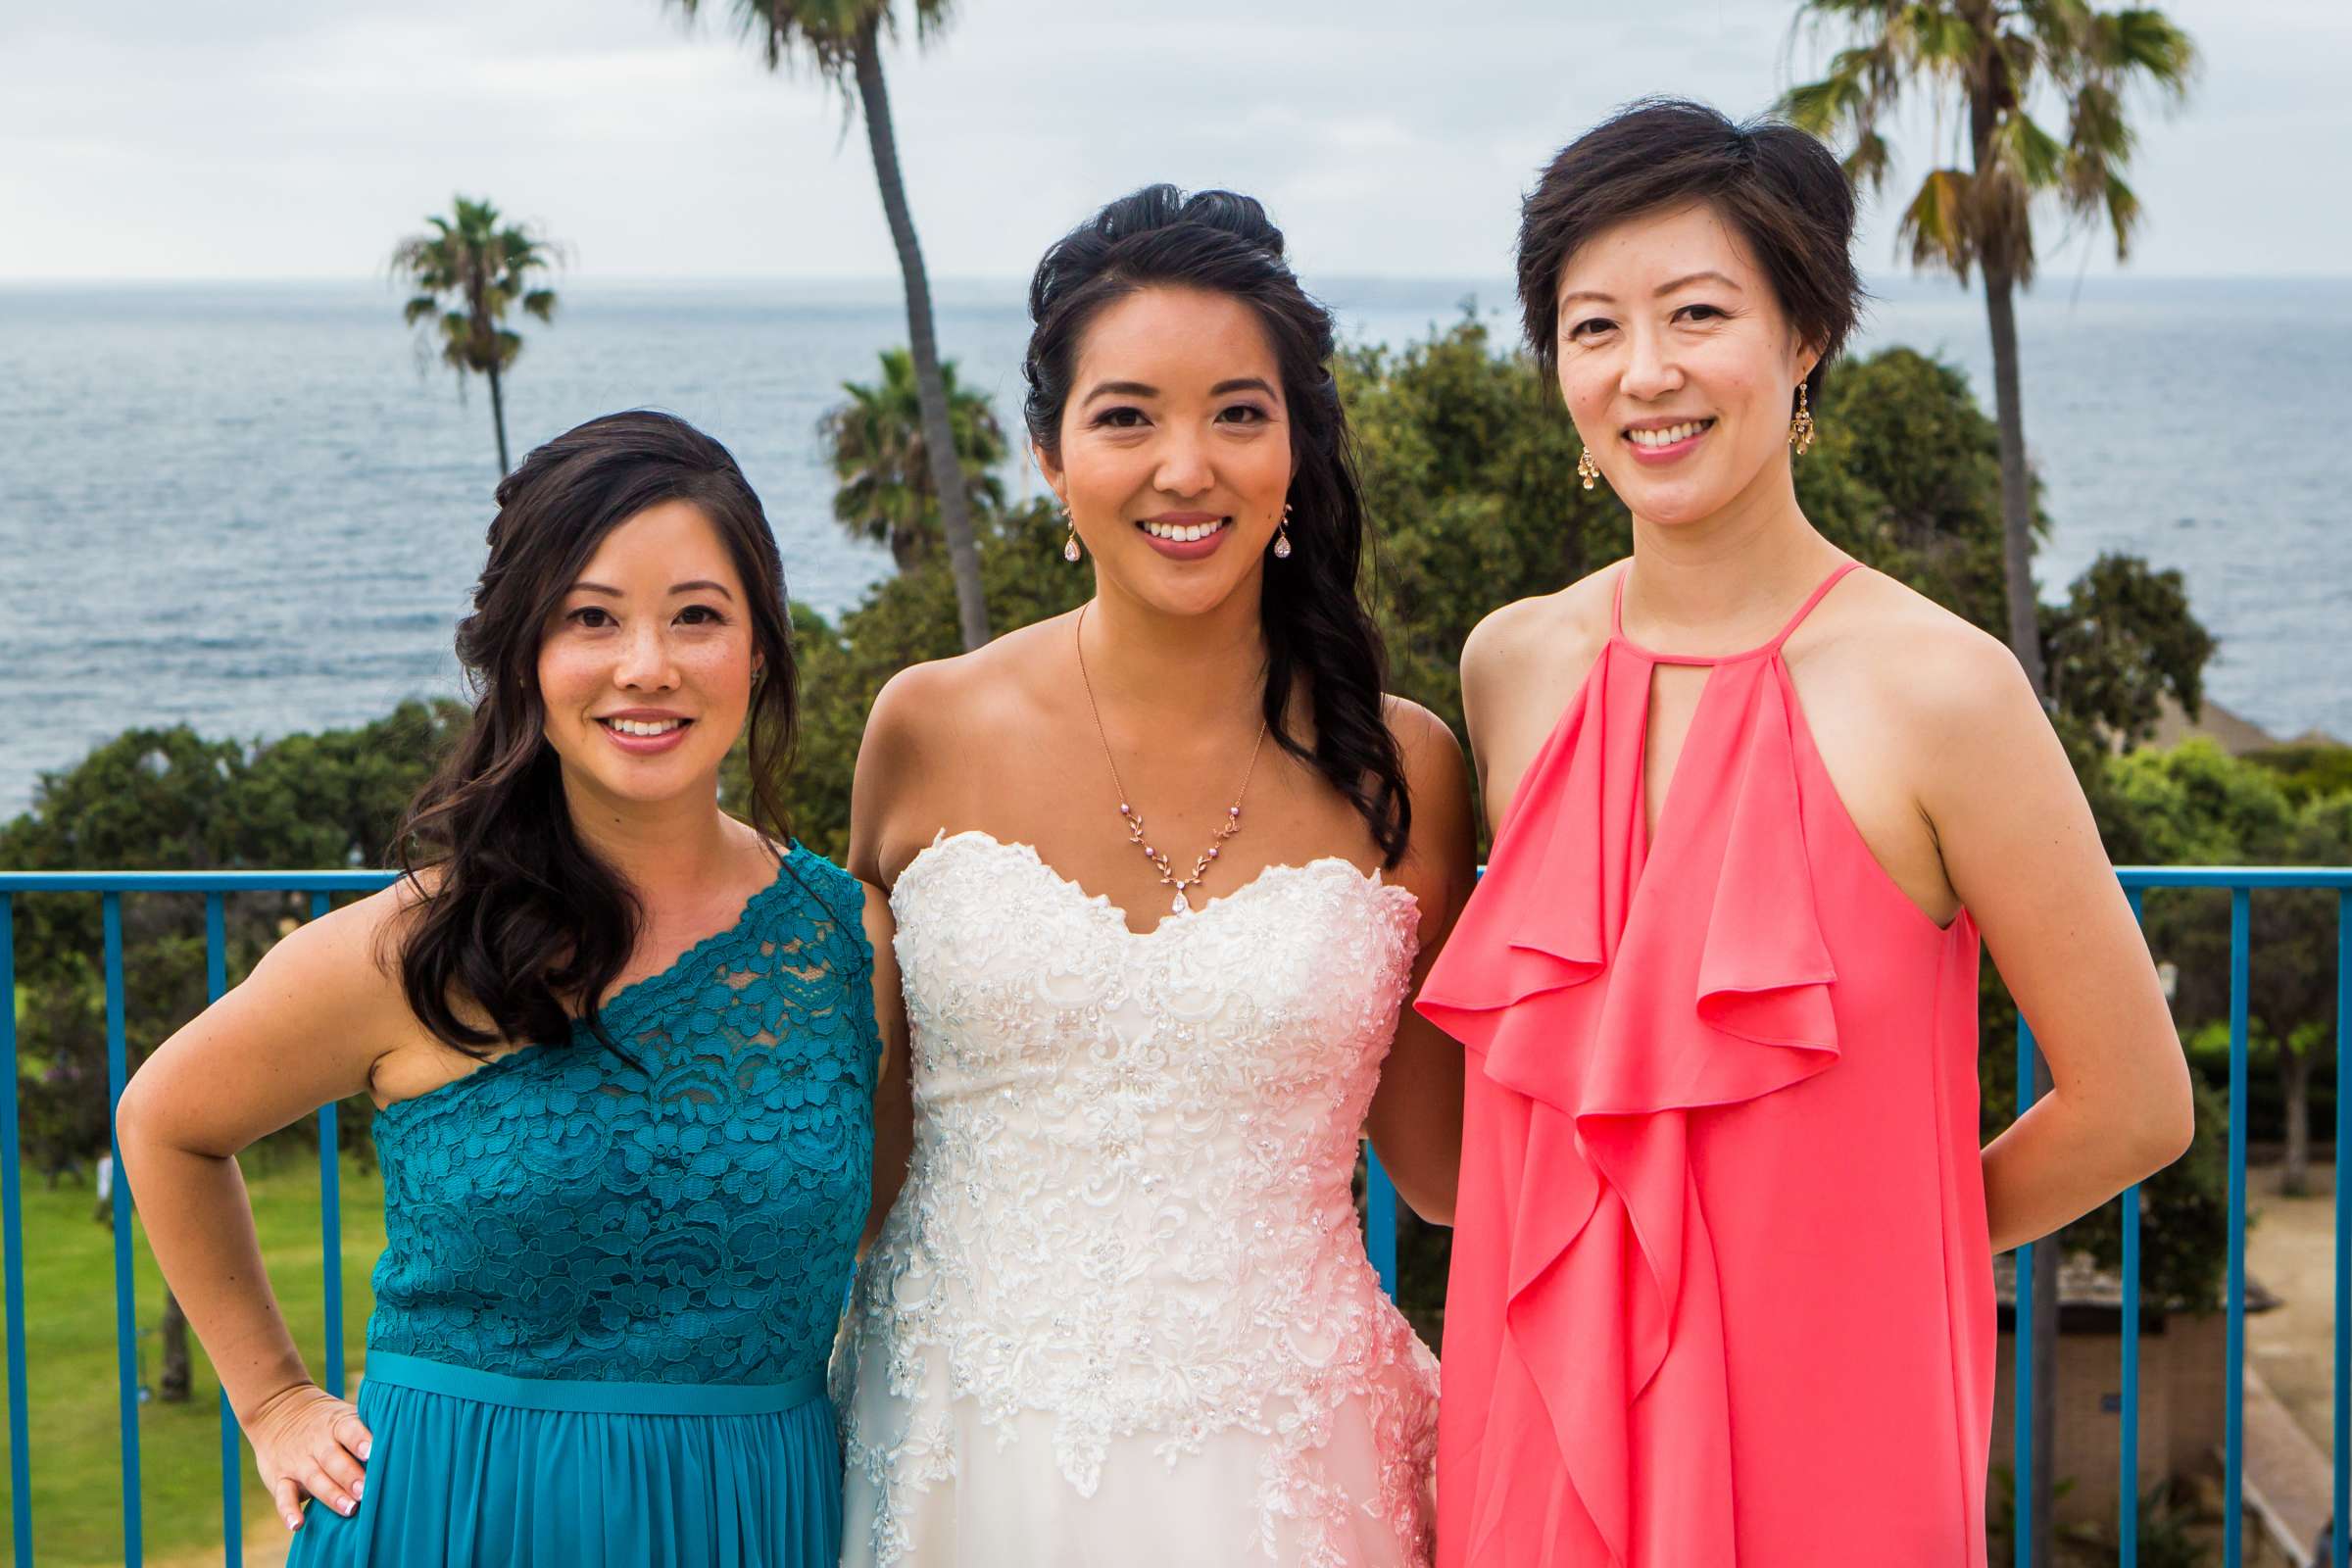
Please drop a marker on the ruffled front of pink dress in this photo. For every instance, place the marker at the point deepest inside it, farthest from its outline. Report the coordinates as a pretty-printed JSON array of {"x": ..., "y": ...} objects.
[{"x": 1722, "y": 1287}]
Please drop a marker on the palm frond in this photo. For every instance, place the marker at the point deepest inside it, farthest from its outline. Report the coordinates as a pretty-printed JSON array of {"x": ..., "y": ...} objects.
[{"x": 1935, "y": 224}]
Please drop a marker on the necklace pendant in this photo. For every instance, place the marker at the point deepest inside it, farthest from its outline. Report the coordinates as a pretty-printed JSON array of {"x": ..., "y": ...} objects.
[{"x": 1177, "y": 905}]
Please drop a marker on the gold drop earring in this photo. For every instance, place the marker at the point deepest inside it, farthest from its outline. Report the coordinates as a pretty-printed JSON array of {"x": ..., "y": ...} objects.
[
  {"x": 1281, "y": 534},
  {"x": 1800, "y": 428},
  {"x": 1069, "y": 547},
  {"x": 1586, "y": 468}
]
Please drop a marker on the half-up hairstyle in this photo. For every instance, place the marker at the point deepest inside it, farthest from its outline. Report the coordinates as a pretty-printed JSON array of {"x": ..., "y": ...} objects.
[
  {"x": 524, "y": 923},
  {"x": 1314, "y": 624}
]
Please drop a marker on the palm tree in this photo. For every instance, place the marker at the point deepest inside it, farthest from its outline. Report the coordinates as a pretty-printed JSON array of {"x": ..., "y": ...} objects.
[
  {"x": 466, "y": 274},
  {"x": 886, "y": 491},
  {"x": 1980, "y": 63},
  {"x": 842, "y": 40}
]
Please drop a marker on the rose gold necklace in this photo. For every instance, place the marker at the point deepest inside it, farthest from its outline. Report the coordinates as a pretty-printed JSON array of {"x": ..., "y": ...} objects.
[{"x": 1135, "y": 824}]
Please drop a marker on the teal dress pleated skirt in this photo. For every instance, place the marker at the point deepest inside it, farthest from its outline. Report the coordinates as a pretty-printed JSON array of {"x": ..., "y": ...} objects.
[{"x": 612, "y": 1272}]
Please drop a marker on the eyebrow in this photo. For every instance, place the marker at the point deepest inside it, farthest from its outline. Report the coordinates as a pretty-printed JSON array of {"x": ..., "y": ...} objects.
[
  {"x": 697, "y": 585},
  {"x": 1138, "y": 389},
  {"x": 1660, "y": 292}
]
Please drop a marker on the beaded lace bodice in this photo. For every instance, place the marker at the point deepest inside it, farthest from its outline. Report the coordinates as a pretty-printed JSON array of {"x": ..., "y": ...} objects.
[
  {"x": 690, "y": 1215},
  {"x": 1129, "y": 1204}
]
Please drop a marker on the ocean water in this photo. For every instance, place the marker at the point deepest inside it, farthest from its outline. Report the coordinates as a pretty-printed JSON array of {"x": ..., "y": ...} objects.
[{"x": 251, "y": 507}]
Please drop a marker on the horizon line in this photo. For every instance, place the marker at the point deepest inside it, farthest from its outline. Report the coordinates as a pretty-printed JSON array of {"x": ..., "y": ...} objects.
[{"x": 891, "y": 283}]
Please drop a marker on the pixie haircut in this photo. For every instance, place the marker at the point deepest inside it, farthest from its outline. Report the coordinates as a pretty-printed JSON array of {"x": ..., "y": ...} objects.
[{"x": 1779, "y": 188}]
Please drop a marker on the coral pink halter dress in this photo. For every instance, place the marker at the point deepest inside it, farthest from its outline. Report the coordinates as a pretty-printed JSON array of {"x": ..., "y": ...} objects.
[{"x": 1722, "y": 1287}]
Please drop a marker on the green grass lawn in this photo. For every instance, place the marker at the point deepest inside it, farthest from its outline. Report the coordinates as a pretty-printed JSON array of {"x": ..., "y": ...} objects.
[{"x": 71, "y": 1390}]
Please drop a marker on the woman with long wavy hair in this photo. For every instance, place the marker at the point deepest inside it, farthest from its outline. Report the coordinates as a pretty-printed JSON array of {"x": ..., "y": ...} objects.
[
  {"x": 1165, "y": 869},
  {"x": 624, "y": 1048}
]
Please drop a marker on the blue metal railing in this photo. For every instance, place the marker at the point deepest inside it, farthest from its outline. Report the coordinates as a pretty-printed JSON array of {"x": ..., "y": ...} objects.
[
  {"x": 1381, "y": 1198},
  {"x": 110, "y": 886}
]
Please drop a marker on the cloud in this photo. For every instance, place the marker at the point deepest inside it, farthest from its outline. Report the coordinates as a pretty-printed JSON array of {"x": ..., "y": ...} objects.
[{"x": 244, "y": 138}]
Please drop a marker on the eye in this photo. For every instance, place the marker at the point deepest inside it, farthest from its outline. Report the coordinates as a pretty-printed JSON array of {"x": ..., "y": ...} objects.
[
  {"x": 1245, "y": 413},
  {"x": 1700, "y": 312},
  {"x": 1121, "y": 416},
  {"x": 702, "y": 615},
  {"x": 593, "y": 617},
  {"x": 1590, "y": 327}
]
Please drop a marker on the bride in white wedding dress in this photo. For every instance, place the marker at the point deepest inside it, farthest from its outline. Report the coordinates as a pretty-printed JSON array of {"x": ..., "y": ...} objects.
[{"x": 1120, "y": 1312}]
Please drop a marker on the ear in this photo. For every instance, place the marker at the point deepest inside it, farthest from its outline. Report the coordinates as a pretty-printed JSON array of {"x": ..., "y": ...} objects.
[
  {"x": 1809, "y": 355},
  {"x": 1051, "y": 473}
]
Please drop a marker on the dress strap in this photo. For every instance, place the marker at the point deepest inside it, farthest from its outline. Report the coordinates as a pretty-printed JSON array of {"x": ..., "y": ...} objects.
[
  {"x": 1617, "y": 600},
  {"x": 1811, "y": 600}
]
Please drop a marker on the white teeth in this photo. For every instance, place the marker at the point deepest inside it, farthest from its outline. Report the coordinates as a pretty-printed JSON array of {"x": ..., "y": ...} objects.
[
  {"x": 1669, "y": 435},
  {"x": 645, "y": 726},
  {"x": 1183, "y": 533}
]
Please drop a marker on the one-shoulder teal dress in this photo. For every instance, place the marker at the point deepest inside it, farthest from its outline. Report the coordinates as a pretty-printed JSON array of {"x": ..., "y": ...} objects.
[{"x": 611, "y": 1280}]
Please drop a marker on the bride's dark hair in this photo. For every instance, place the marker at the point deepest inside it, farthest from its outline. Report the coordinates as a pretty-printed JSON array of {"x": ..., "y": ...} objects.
[
  {"x": 1314, "y": 624},
  {"x": 523, "y": 921}
]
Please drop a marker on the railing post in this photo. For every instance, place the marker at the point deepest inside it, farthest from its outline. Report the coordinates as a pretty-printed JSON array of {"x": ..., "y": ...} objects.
[
  {"x": 1380, "y": 1221},
  {"x": 233, "y": 1460},
  {"x": 2021, "y": 1344},
  {"x": 11, "y": 1222},
  {"x": 2233, "y": 1426},
  {"x": 127, "y": 1318},
  {"x": 2341, "y": 1450},
  {"x": 330, "y": 1217},
  {"x": 2127, "y": 1505}
]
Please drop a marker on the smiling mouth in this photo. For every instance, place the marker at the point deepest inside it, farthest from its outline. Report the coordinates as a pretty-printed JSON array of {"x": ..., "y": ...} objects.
[
  {"x": 1184, "y": 533},
  {"x": 645, "y": 728},
  {"x": 1670, "y": 435}
]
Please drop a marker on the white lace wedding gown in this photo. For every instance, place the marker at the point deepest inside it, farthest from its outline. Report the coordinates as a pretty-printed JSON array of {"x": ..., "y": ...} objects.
[{"x": 1121, "y": 1313}]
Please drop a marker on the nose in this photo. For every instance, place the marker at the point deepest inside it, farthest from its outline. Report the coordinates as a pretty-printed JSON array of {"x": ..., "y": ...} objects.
[
  {"x": 645, "y": 663},
  {"x": 1183, "y": 468},
  {"x": 1651, "y": 369}
]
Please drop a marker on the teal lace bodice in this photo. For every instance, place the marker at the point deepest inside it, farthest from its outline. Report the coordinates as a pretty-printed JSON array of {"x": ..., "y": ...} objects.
[{"x": 688, "y": 1215}]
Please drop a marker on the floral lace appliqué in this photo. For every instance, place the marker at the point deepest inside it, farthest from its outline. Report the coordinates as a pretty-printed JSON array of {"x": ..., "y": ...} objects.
[
  {"x": 690, "y": 1215},
  {"x": 1129, "y": 1205}
]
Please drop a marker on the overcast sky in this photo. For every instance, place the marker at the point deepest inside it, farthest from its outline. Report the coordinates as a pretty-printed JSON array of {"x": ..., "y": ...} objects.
[{"x": 258, "y": 138}]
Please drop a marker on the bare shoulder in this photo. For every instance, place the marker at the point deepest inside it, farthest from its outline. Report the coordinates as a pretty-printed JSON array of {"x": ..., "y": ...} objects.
[
  {"x": 1424, "y": 740},
  {"x": 346, "y": 962},
  {"x": 1941, "y": 674},
  {"x": 955, "y": 699},
  {"x": 1565, "y": 629},
  {"x": 928, "y": 719}
]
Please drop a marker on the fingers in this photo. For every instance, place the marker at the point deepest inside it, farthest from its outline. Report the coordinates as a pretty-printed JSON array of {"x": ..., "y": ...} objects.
[
  {"x": 350, "y": 1432},
  {"x": 288, "y": 1500},
  {"x": 332, "y": 1481}
]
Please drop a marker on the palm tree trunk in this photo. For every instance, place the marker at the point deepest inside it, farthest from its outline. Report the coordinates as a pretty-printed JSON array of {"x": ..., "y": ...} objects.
[
  {"x": 2294, "y": 1070},
  {"x": 2016, "y": 485},
  {"x": 172, "y": 1389},
  {"x": 498, "y": 418},
  {"x": 939, "y": 437}
]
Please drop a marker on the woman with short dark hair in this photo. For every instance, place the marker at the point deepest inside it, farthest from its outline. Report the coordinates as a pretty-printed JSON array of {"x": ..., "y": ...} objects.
[
  {"x": 624, "y": 1048},
  {"x": 1722, "y": 1282}
]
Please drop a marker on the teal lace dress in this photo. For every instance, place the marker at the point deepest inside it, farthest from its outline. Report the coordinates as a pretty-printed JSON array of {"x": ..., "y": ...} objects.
[{"x": 610, "y": 1287}]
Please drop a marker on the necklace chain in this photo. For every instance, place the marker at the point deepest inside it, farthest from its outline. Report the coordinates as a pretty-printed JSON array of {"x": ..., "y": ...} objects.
[{"x": 1135, "y": 822}]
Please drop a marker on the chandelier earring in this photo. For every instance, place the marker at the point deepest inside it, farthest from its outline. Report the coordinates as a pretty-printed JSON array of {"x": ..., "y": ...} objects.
[
  {"x": 1069, "y": 547},
  {"x": 1586, "y": 468},
  {"x": 1281, "y": 534},
  {"x": 1800, "y": 428}
]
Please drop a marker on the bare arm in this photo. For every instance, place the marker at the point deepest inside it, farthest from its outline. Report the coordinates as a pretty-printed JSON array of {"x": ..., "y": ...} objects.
[
  {"x": 2021, "y": 852},
  {"x": 303, "y": 1029},
  {"x": 893, "y": 1110},
  {"x": 1416, "y": 1117}
]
